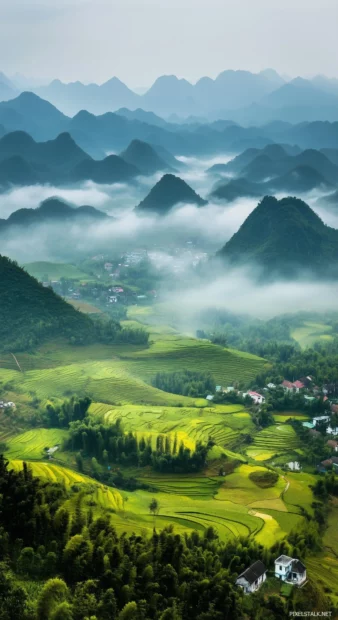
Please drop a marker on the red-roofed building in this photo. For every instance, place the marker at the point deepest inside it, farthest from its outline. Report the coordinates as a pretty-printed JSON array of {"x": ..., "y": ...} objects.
[
  {"x": 256, "y": 397},
  {"x": 287, "y": 385},
  {"x": 298, "y": 385}
]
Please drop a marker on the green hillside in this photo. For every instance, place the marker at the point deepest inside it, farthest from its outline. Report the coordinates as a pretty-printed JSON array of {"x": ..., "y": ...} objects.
[
  {"x": 31, "y": 313},
  {"x": 284, "y": 235}
]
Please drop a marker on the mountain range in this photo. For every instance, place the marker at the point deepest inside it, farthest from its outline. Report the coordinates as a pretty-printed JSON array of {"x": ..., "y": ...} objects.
[
  {"x": 112, "y": 133},
  {"x": 284, "y": 237},
  {"x": 23, "y": 161},
  {"x": 272, "y": 169},
  {"x": 240, "y": 95}
]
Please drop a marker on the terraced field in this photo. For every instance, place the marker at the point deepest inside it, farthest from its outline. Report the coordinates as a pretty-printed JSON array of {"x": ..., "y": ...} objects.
[
  {"x": 31, "y": 444},
  {"x": 272, "y": 441},
  {"x": 172, "y": 352},
  {"x": 311, "y": 332},
  {"x": 105, "y": 498},
  {"x": 106, "y": 381},
  {"x": 223, "y": 424}
]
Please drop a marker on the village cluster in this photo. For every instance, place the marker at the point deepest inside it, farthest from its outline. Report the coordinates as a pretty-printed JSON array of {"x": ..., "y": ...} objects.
[{"x": 289, "y": 570}]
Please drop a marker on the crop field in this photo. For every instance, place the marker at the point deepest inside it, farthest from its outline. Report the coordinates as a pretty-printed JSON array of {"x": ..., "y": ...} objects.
[
  {"x": 311, "y": 332},
  {"x": 299, "y": 495},
  {"x": 171, "y": 352},
  {"x": 31, "y": 444},
  {"x": 222, "y": 424},
  {"x": 240, "y": 489},
  {"x": 287, "y": 415},
  {"x": 102, "y": 380},
  {"x": 272, "y": 441},
  {"x": 105, "y": 497}
]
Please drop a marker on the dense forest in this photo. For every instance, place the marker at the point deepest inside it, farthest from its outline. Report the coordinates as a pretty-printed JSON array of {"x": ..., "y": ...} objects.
[
  {"x": 85, "y": 570},
  {"x": 108, "y": 443},
  {"x": 185, "y": 382}
]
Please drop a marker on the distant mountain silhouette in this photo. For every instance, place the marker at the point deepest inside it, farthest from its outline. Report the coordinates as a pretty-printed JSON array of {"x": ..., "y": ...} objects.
[
  {"x": 112, "y": 169},
  {"x": 168, "y": 192},
  {"x": 73, "y": 97},
  {"x": 236, "y": 188},
  {"x": 98, "y": 135},
  {"x": 284, "y": 236},
  {"x": 30, "y": 113},
  {"x": 144, "y": 157},
  {"x": 142, "y": 116},
  {"x": 8, "y": 90},
  {"x": 329, "y": 199},
  {"x": 62, "y": 152},
  {"x": 51, "y": 210},
  {"x": 273, "y": 161},
  {"x": 298, "y": 93},
  {"x": 300, "y": 179}
]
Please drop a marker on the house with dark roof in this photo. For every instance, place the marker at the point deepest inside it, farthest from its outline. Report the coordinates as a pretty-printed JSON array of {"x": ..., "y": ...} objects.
[
  {"x": 252, "y": 578},
  {"x": 290, "y": 570}
]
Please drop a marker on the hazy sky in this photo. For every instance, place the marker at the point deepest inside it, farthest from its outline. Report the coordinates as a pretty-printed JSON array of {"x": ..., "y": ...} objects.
[{"x": 138, "y": 40}]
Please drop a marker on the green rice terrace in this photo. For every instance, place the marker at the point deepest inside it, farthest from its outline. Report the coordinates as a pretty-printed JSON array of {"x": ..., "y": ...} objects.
[{"x": 227, "y": 494}]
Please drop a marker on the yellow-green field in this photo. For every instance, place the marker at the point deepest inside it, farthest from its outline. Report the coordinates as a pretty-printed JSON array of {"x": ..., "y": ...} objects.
[
  {"x": 118, "y": 380},
  {"x": 310, "y": 332},
  {"x": 32, "y": 444},
  {"x": 273, "y": 441},
  {"x": 190, "y": 503},
  {"x": 222, "y": 423}
]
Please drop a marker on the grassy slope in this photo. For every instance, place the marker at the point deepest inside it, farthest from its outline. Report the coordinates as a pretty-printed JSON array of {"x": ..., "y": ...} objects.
[
  {"x": 55, "y": 271},
  {"x": 311, "y": 332}
]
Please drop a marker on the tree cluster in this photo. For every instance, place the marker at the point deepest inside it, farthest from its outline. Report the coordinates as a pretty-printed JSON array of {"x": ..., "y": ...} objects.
[{"x": 185, "y": 382}]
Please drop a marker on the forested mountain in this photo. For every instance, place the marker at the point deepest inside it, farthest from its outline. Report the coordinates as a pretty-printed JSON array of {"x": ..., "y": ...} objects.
[
  {"x": 286, "y": 237},
  {"x": 168, "y": 192},
  {"x": 144, "y": 157},
  {"x": 51, "y": 210},
  {"x": 31, "y": 313}
]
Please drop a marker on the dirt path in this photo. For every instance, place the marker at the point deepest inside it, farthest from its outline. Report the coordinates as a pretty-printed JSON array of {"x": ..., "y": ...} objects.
[{"x": 17, "y": 363}]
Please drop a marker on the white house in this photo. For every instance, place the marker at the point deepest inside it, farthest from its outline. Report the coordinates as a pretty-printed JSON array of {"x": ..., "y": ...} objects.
[
  {"x": 252, "y": 578},
  {"x": 290, "y": 570}
]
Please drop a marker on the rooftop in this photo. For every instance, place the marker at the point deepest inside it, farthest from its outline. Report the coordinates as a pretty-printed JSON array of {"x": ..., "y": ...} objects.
[
  {"x": 256, "y": 570},
  {"x": 283, "y": 559}
]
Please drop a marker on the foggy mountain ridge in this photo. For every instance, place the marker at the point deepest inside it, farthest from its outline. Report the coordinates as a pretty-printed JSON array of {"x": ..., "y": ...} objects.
[{"x": 99, "y": 135}]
